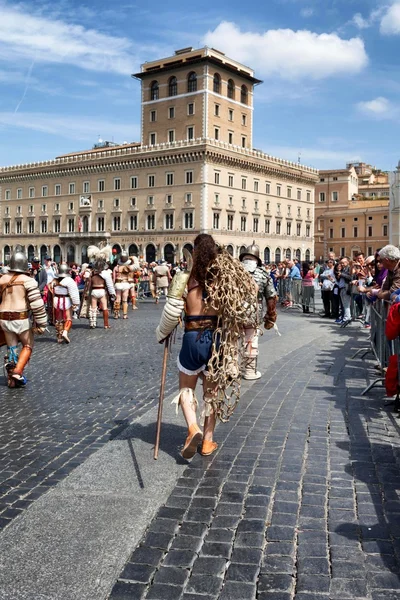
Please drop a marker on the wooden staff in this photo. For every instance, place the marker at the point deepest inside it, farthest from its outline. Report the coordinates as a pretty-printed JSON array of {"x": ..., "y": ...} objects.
[{"x": 161, "y": 398}]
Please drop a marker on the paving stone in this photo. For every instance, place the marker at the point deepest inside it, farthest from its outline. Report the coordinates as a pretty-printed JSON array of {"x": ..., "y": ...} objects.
[
  {"x": 235, "y": 590},
  {"x": 146, "y": 555},
  {"x": 171, "y": 576},
  {"x": 275, "y": 581},
  {"x": 242, "y": 572},
  {"x": 180, "y": 558},
  {"x": 204, "y": 584},
  {"x": 138, "y": 572},
  {"x": 312, "y": 583},
  {"x": 210, "y": 565},
  {"x": 216, "y": 549},
  {"x": 348, "y": 588},
  {"x": 126, "y": 591},
  {"x": 161, "y": 591}
]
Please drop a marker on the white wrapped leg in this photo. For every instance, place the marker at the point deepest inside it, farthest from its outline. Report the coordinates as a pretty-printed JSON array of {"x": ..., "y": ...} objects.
[
  {"x": 169, "y": 318},
  {"x": 251, "y": 339},
  {"x": 186, "y": 394}
]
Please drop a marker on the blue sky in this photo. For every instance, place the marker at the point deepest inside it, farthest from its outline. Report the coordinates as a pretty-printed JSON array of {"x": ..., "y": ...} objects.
[{"x": 331, "y": 90}]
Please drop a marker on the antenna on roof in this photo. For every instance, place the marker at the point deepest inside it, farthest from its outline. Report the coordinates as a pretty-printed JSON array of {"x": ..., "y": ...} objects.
[{"x": 299, "y": 158}]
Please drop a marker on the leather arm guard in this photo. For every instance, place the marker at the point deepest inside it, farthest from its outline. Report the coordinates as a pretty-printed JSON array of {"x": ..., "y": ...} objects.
[
  {"x": 271, "y": 314},
  {"x": 169, "y": 319},
  {"x": 35, "y": 302}
]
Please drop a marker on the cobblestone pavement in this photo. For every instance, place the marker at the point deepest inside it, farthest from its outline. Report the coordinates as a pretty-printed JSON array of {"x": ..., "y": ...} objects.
[
  {"x": 300, "y": 501},
  {"x": 77, "y": 398}
]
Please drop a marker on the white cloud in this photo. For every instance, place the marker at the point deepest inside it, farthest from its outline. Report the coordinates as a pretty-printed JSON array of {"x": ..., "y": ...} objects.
[
  {"x": 318, "y": 157},
  {"x": 379, "y": 107},
  {"x": 360, "y": 22},
  {"x": 85, "y": 128},
  {"x": 390, "y": 23},
  {"x": 307, "y": 12},
  {"x": 290, "y": 54},
  {"x": 45, "y": 39}
]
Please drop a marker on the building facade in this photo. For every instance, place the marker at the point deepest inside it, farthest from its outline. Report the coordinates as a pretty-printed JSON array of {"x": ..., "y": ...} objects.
[
  {"x": 195, "y": 170},
  {"x": 351, "y": 211}
]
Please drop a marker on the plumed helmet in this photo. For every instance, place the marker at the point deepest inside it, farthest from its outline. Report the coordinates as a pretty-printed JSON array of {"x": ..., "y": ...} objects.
[
  {"x": 63, "y": 271},
  {"x": 18, "y": 262},
  {"x": 92, "y": 253},
  {"x": 253, "y": 250},
  {"x": 124, "y": 259}
]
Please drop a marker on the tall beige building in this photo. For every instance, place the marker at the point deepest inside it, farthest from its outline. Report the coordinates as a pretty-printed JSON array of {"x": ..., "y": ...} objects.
[
  {"x": 195, "y": 170},
  {"x": 351, "y": 211}
]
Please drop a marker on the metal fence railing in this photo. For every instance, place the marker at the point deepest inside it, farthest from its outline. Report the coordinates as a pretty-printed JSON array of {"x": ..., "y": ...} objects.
[{"x": 293, "y": 295}]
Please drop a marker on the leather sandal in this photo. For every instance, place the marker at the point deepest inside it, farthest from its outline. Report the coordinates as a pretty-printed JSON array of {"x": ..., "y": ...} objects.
[
  {"x": 193, "y": 439},
  {"x": 208, "y": 447}
]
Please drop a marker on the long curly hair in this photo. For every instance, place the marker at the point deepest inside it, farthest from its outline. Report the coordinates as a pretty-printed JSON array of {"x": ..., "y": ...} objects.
[{"x": 205, "y": 251}]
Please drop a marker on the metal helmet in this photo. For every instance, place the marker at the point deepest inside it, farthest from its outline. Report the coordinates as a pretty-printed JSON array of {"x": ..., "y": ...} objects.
[
  {"x": 63, "y": 271},
  {"x": 253, "y": 250},
  {"x": 124, "y": 259},
  {"x": 18, "y": 262}
]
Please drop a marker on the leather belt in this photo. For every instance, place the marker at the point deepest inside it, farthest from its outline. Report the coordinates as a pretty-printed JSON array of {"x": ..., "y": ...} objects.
[
  {"x": 98, "y": 287},
  {"x": 13, "y": 315},
  {"x": 200, "y": 325}
]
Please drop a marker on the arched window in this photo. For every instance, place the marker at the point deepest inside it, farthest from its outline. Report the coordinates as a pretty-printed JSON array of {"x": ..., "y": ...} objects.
[
  {"x": 308, "y": 255},
  {"x": 7, "y": 254},
  {"x": 70, "y": 254},
  {"x": 172, "y": 87},
  {"x": 43, "y": 253},
  {"x": 133, "y": 250},
  {"x": 217, "y": 83},
  {"x": 150, "y": 253},
  {"x": 169, "y": 253},
  {"x": 244, "y": 94},
  {"x": 31, "y": 253},
  {"x": 242, "y": 250},
  {"x": 192, "y": 82},
  {"x": 298, "y": 254},
  {"x": 229, "y": 249},
  {"x": 288, "y": 254},
  {"x": 56, "y": 253},
  {"x": 188, "y": 247},
  {"x": 231, "y": 89},
  {"x": 267, "y": 255},
  {"x": 154, "y": 91},
  {"x": 84, "y": 255},
  {"x": 278, "y": 255},
  {"x": 85, "y": 224}
]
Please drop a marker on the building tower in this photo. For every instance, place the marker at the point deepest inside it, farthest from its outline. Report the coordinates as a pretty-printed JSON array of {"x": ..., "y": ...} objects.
[{"x": 197, "y": 94}]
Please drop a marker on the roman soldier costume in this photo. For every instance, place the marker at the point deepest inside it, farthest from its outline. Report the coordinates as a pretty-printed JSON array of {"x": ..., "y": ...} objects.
[
  {"x": 20, "y": 299},
  {"x": 65, "y": 300},
  {"x": 123, "y": 280},
  {"x": 251, "y": 261},
  {"x": 98, "y": 288}
]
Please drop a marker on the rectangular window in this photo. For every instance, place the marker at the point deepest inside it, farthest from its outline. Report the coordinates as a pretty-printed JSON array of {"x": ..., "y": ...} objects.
[
  {"x": 331, "y": 232},
  {"x": 298, "y": 194},
  {"x": 216, "y": 221},
  {"x": 230, "y": 114},
  {"x": 71, "y": 206},
  {"x": 134, "y": 182},
  {"x": 169, "y": 198},
  {"x": 267, "y": 188},
  {"x": 19, "y": 227},
  {"x": 370, "y": 251},
  {"x": 57, "y": 207},
  {"x": 230, "y": 137},
  {"x": 343, "y": 232},
  {"x": 289, "y": 210},
  {"x": 153, "y": 116},
  {"x": 101, "y": 186},
  {"x": 244, "y": 183},
  {"x": 44, "y": 208},
  {"x": 216, "y": 110},
  {"x": 117, "y": 223},
  {"x": 230, "y": 200},
  {"x": 216, "y": 133},
  {"x": 242, "y": 223},
  {"x": 100, "y": 203},
  {"x": 57, "y": 189},
  {"x": 298, "y": 228},
  {"x": 267, "y": 225},
  {"x": 385, "y": 230},
  {"x": 243, "y": 141},
  {"x": 308, "y": 230},
  {"x": 322, "y": 196},
  {"x": 243, "y": 202},
  {"x": 255, "y": 225},
  {"x": 171, "y": 112},
  {"x": 117, "y": 183},
  {"x": 289, "y": 192},
  {"x": 31, "y": 226},
  {"x": 170, "y": 179},
  {"x": 288, "y": 228},
  {"x": 190, "y": 133},
  {"x": 190, "y": 111},
  {"x": 116, "y": 203},
  {"x": 335, "y": 196},
  {"x": 7, "y": 227},
  {"x": 188, "y": 177},
  {"x": 216, "y": 177},
  {"x": 151, "y": 180},
  {"x": 8, "y": 195},
  {"x": 188, "y": 198},
  {"x": 150, "y": 200},
  {"x": 31, "y": 192},
  {"x": 267, "y": 206},
  {"x": 71, "y": 188},
  {"x": 133, "y": 222},
  {"x": 244, "y": 120},
  {"x": 169, "y": 221},
  {"x": 369, "y": 232},
  {"x": 19, "y": 193},
  {"x": 278, "y": 190},
  {"x": 100, "y": 223},
  {"x": 308, "y": 196},
  {"x": 230, "y": 180},
  {"x": 31, "y": 208},
  {"x": 45, "y": 191},
  {"x": 355, "y": 231},
  {"x": 43, "y": 226},
  {"x": 86, "y": 187},
  {"x": 256, "y": 205},
  {"x": 133, "y": 201},
  {"x": 152, "y": 139},
  {"x": 229, "y": 223},
  {"x": 188, "y": 220},
  {"x": 19, "y": 210},
  {"x": 171, "y": 135},
  {"x": 256, "y": 186},
  {"x": 57, "y": 225},
  {"x": 216, "y": 199},
  {"x": 278, "y": 227}
]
